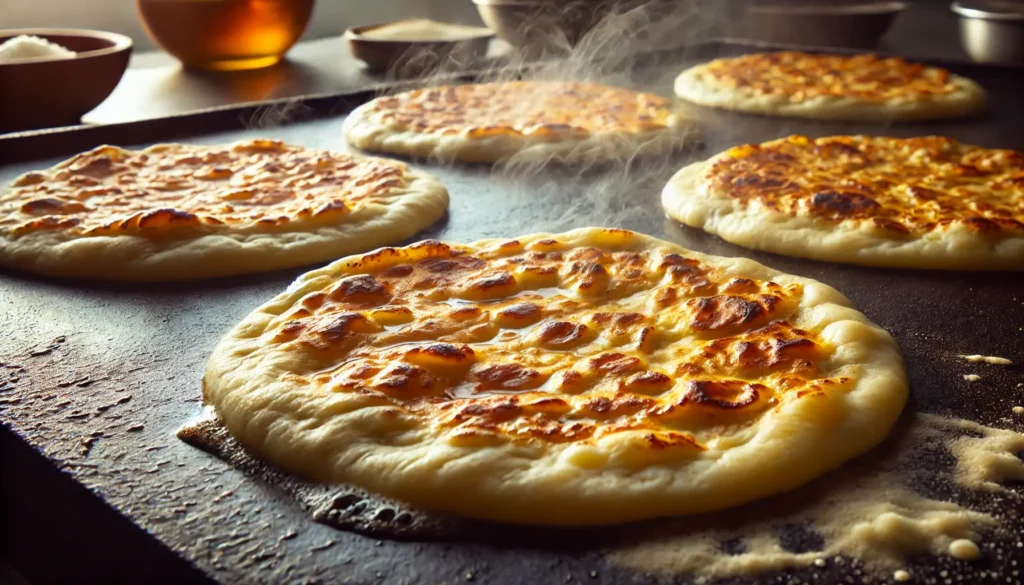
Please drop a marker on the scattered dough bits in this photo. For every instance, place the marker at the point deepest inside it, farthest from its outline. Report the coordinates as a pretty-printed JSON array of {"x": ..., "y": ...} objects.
[
  {"x": 987, "y": 359},
  {"x": 923, "y": 202},
  {"x": 865, "y": 511},
  {"x": 856, "y": 87},
  {"x": 972, "y": 377},
  {"x": 592, "y": 377},
  {"x": 901, "y": 576},
  {"x": 964, "y": 550},
  {"x": 1018, "y": 410},
  {"x": 176, "y": 212},
  {"x": 527, "y": 121}
]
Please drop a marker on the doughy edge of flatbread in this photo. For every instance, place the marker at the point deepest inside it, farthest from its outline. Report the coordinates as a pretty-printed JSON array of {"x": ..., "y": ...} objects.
[
  {"x": 328, "y": 436},
  {"x": 363, "y": 131},
  {"x": 695, "y": 86},
  {"x": 690, "y": 199},
  {"x": 215, "y": 251}
]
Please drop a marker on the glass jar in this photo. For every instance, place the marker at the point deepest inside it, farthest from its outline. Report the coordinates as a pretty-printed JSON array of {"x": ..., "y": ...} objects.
[{"x": 225, "y": 35}]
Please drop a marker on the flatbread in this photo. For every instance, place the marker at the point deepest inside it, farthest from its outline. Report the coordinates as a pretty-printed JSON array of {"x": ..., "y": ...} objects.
[
  {"x": 590, "y": 377},
  {"x": 925, "y": 202},
  {"x": 174, "y": 211},
  {"x": 533, "y": 120},
  {"x": 841, "y": 87}
]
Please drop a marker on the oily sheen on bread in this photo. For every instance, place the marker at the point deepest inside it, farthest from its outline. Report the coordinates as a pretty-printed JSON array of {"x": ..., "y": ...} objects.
[
  {"x": 531, "y": 120},
  {"x": 175, "y": 211},
  {"x": 840, "y": 87},
  {"x": 590, "y": 377},
  {"x": 926, "y": 202}
]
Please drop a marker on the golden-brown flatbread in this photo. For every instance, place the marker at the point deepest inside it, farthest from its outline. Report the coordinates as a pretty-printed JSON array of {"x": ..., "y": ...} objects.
[
  {"x": 590, "y": 377},
  {"x": 533, "y": 120},
  {"x": 846, "y": 87},
  {"x": 925, "y": 202},
  {"x": 175, "y": 211}
]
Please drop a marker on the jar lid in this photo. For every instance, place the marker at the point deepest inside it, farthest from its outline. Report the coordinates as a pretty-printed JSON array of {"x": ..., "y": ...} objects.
[{"x": 990, "y": 9}]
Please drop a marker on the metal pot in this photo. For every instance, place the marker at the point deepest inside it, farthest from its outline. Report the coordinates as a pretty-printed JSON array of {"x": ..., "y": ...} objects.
[
  {"x": 820, "y": 24},
  {"x": 992, "y": 31},
  {"x": 545, "y": 27}
]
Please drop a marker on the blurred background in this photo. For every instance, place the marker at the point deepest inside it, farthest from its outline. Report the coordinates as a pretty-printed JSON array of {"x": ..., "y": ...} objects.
[
  {"x": 330, "y": 17},
  {"x": 226, "y": 52}
]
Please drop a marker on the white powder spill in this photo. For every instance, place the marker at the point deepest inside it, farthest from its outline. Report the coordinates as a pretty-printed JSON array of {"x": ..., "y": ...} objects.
[
  {"x": 972, "y": 377},
  {"x": 999, "y": 361},
  {"x": 866, "y": 510},
  {"x": 985, "y": 462}
]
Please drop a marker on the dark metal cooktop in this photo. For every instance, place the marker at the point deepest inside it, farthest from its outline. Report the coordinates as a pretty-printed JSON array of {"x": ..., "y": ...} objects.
[{"x": 97, "y": 377}]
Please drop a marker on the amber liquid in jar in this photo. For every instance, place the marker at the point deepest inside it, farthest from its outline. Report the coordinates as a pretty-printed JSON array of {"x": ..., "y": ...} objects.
[{"x": 225, "y": 34}]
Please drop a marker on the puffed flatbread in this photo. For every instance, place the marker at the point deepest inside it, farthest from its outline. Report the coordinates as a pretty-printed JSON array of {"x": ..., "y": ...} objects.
[
  {"x": 590, "y": 377},
  {"x": 925, "y": 202},
  {"x": 175, "y": 211},
  {"x": 531, "y": 120},
  {"x": 840, "y": 87}
]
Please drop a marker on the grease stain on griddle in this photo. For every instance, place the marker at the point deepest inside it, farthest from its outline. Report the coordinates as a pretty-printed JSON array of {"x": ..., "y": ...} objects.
[{"x": 343, "y": 507}]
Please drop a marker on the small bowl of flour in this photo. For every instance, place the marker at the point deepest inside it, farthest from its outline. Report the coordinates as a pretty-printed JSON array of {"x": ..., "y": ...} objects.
[
  {"x": 52, "y": 77},
  {"x": 30, "y": 47}
]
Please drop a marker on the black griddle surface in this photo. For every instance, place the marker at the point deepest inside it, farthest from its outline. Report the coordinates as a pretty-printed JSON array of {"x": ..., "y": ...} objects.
[{"x": 98, "y": 377}]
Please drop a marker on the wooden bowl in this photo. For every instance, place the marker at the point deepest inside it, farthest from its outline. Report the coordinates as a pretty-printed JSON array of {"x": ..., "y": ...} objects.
[
  {"x": 43, "y": 92},
  {"x": 407, "y": 58}
]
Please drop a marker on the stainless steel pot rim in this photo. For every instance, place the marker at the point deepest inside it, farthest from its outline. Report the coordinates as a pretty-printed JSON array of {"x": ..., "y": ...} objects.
[
  {"x": 605, "y": 3},
  {"x": 356, "y": 33},
  {"x": 989, "y": 10},
  {"x": 826, "y": 9}
]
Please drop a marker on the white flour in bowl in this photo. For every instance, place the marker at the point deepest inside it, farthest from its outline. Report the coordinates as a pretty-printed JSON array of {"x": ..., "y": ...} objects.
[{"x": 32, "y": 47}]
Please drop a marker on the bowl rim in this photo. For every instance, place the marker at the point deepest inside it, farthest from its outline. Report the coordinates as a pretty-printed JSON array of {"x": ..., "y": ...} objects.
[
  {"x": 355, "y": 33},
  {"x": 975, "y": 13},
  {"x": 120, "y": 42},
  {"x": 523, "y": 2},
  {"x": 852, "y": 9}
]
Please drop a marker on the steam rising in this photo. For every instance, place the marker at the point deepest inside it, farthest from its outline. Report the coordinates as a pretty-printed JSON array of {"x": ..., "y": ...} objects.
[
  {"x": 635, "y": 44},
  {"x": 278, "y": 114},
  {"x": 623, "y": 38}
]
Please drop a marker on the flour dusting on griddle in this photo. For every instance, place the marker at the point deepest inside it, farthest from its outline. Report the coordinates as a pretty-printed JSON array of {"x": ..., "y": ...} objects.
[
  {"x": 987, "y": 457},
  {"x": 870, "y": 510}
]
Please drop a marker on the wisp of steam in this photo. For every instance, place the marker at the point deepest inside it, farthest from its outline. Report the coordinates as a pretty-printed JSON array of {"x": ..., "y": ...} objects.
[
  {"x": 621, "y": 42},
  {"x": 618, "y": 178}
]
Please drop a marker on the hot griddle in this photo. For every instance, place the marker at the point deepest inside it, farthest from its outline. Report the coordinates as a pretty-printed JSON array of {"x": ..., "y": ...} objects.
[{"x": 97, "y": 377}]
